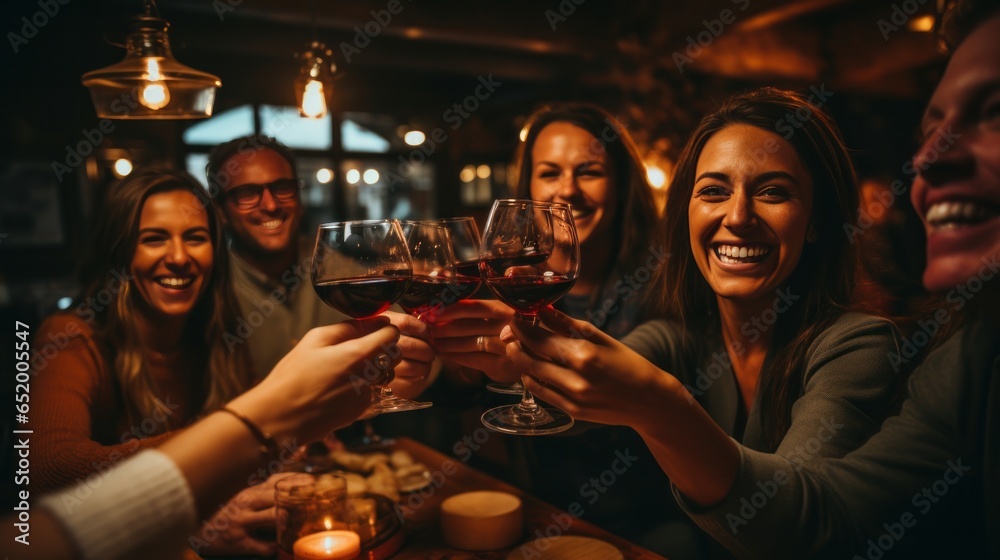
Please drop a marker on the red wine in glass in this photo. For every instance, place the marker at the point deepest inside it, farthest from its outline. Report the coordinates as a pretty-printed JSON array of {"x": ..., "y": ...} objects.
[
  {"x": 433, "y": 282},
  {"x": 528, "y": 294},
  {"x": 498, "y": 266},
  {"x": 465, "y": 244},
  {"x": 440, "y": 277},
  {"x": 491, "y": 267},
  {"x": 364, "y": 297},
  {"x": 361, "y": 268},
  {"x": 530, "y": 258},
  {"x": 467, "y": 278},
  {"x": 425, "y": 293},
  {"x": 468, "y": 269}
]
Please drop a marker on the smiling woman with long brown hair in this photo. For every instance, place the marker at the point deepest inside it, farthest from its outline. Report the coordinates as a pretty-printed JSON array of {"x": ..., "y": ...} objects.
[
  {"x": 757, "y": 342},
  {"x": 176, "y": 305},
  {"x": 143, "y": 352}
]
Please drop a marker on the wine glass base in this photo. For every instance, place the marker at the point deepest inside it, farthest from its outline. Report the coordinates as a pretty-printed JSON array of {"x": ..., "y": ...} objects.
[
  {"x": 393, "y": 404},
  {"x": 369, "y": 441},
  {"x": 506, "y": 388},
  {"x": 512, "y": 420},
  {"x": 365, "y": 445}
]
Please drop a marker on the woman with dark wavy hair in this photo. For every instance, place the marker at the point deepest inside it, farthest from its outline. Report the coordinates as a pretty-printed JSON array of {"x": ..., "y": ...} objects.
[
  {"x": 815, "y": 267},
  {"x": 757, "y": 342},
  {"x": 927, "y": 485}
]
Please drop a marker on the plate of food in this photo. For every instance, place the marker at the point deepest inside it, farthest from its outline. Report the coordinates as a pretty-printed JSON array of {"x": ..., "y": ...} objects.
[{"x": 388, "y": 474}]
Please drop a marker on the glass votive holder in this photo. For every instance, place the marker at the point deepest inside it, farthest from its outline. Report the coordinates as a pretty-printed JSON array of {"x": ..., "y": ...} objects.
[{"x": 306, "y": 504}]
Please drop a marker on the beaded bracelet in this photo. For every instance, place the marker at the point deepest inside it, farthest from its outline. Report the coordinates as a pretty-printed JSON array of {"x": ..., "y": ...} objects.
[{"x": 268, "y": 447}]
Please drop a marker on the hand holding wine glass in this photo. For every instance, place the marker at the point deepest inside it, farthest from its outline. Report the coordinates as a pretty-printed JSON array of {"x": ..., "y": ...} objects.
[
  {"x": 361, "y": 268},
  {"x": 530, "y": 258}
]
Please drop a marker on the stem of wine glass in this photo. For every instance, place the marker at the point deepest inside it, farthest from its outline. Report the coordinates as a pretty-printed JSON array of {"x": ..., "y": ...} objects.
[
  {"x": 385, "y": 391},
  {"x": 532, "y": 317},
  {"x": 527, "y": 404}
]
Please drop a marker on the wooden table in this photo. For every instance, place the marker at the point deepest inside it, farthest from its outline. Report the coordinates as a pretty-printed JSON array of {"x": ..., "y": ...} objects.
[{"x": 422, "y": 511}]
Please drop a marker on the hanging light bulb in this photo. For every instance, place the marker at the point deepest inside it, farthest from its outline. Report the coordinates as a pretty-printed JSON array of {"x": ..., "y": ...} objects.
[
  {"x": 155, "y": 93},
  {"x": 149, "y": 83},
  {"x": 313, "y": 100},
  {"x": 314, "y": 85}
]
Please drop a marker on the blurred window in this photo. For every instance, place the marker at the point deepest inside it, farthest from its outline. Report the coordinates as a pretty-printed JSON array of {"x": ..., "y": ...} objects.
[
  {"x": 371, "y": 173},
  {"x": 356, "y": 138},
  {"x": 294, "y": 131},
  {"x": 195, "y": 164},
  {"x": 222, "y": 127}
]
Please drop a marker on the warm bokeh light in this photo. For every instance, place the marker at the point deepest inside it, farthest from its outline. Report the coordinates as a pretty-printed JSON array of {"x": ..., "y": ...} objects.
[
  {"x": 656, "y": 176},
  {"x": 922, "y": 23},
  {"x": 122, "y": 167},
  {"x": 371, "y": 176},
  {"x": 324, "y": 176},
  {"x": 154, "y": 94},
  {"x": 414, "y": 138},
  {"x": 483, "y": 171},
  {"x": 313, "y": 100},
  {"x": 467, "y": 174},
  {"x": 353, "y": 176}
]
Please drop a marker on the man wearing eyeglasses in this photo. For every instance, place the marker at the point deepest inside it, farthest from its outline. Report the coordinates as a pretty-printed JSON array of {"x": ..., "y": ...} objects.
[{"x": 254, "y": 183}]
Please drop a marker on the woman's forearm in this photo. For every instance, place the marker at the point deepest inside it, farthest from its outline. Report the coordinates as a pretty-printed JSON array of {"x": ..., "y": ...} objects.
[
  {"x": 697, "y": 455},
  {"x": 212, "y": 482}
]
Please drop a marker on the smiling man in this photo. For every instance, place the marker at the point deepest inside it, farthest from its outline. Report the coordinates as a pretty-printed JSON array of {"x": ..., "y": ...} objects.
[{"x": 254, "y": 183}]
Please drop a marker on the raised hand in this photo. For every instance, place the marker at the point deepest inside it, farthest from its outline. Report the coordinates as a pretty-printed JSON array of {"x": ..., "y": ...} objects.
[
  {"x": 468, "y": 334},
  {"x": 325, "y": 379},
  {"x": 574, "y": 366},
  {"x": 413, "y": 373}
]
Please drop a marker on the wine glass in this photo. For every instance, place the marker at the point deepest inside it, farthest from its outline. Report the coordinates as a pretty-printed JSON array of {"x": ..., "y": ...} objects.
[
  {"x": 464, "y": 235},
  {"x": 433, "y": 282},
  {"x": 530, "y": 258},
  {"x": 465, "y": 243},
  {"x": 361, "y": 268}
]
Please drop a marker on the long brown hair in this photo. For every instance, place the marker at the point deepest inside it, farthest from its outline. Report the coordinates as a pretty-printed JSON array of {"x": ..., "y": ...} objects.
[
  {"x": 636, "y": 213},
  {"x": 824, "y": 276},
  {"x": 225, "y": 374}
]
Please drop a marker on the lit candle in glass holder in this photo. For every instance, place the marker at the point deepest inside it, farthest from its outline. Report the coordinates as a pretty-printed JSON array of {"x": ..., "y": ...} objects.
[
  {"x": 307, "y": 505},
  {"x": 328, "y": 545}
]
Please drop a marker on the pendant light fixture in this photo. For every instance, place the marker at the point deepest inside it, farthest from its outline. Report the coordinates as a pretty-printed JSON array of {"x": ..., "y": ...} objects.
[
  {"x": 150, "y": 83},
  {"x": 314, "y": 84}
]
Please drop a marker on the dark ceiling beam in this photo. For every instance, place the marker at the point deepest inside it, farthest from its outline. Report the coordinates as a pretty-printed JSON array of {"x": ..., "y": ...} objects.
[
  {"x": 409, "y": 24},
  {"x": 765, "y": 54},
  {"x": 866, "y": 61},
  {"x": 782, "y": 11}
]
